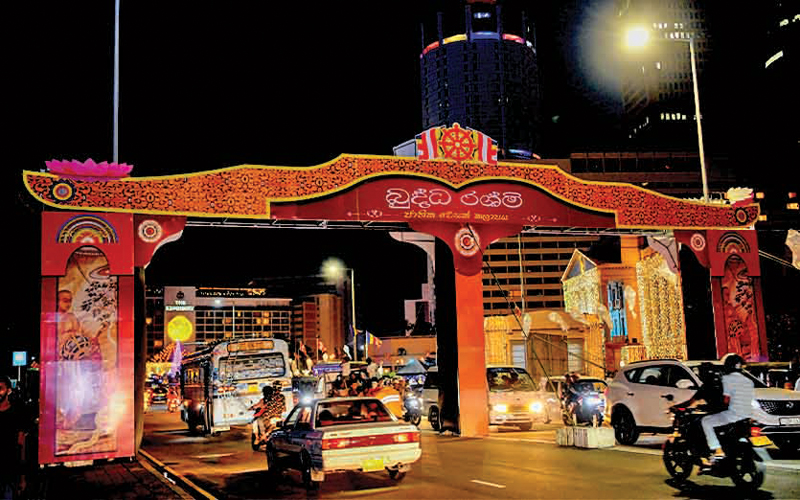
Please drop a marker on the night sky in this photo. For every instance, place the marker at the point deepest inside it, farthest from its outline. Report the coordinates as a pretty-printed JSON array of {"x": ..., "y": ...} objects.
[{"x": 207, "y": 85}]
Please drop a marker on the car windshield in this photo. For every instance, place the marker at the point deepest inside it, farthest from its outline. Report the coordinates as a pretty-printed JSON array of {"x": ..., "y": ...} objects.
[
  {"x": 717, "y": 369},
  {"x": 589, "y": 385},
  {"x": 509, "y": 379},
  {"x": 352, "y": 411}
]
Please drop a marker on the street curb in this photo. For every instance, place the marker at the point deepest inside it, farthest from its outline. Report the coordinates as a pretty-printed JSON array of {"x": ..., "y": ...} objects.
[{"x": 183, "y": 482}]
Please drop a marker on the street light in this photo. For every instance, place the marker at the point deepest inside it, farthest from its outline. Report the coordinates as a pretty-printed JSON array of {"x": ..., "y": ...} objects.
[
  {"x": 638, "y": 37},
  {"x": 333, "y": 269}
]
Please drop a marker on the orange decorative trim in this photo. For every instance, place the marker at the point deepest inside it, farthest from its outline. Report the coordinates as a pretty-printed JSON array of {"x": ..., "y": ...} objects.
[{"x": 247, "y": 191}]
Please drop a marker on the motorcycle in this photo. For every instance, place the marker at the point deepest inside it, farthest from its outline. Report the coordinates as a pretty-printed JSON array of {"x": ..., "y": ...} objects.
[
  {"x": 260, "y": 429},
  {"x": 413, "y": 408},
  {"x": 743, "y": 444},
  {"x": 588, "y": 408}
]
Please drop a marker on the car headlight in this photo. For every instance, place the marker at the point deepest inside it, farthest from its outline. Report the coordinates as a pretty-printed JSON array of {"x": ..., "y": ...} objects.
[
  {"x": 535, "y": 407},
  {"x": 500, "y": 408}
]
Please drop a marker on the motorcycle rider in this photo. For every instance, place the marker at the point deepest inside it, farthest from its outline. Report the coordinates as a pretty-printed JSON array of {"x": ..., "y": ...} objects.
[
  {"x": 738, "y": 393},
  {"x": 570, "y": 393},
  {"x": 271, "y": 406}
]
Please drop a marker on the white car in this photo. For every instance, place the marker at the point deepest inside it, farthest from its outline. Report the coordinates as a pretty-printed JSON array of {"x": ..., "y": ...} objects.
[
  {"x": 342, "y": 434},
  {"x": 641, "y": 393},
  {"x": 513, "y": 398}
]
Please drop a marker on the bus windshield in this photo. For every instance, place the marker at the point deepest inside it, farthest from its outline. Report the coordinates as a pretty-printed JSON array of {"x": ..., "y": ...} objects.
[{"x": 252, "y": 366}]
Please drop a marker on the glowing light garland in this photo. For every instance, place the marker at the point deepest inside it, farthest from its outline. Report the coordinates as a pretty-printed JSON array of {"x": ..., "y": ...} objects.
[
  {"x": 496, "y": 329},
  {"x": 582, "y": 293},
  {"x": 661, "y": 306}
]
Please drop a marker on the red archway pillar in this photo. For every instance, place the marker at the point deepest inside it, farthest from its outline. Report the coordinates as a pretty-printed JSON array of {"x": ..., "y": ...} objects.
[
  {"x": 467, "y": 241},
  {"x": 473, "y": 399},
  {"x": 735, "y": 273}
]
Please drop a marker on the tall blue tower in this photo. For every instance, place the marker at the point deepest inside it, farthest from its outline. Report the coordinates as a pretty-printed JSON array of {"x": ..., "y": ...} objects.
[{"x": 480, "y": 74}]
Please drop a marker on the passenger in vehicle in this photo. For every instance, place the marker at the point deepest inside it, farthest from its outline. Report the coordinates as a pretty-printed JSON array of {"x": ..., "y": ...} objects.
[{"x": 325, "y": 418}]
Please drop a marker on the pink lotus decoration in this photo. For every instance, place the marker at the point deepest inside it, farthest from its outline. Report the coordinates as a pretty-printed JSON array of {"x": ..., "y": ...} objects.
[{"x": 88, "y": 170}]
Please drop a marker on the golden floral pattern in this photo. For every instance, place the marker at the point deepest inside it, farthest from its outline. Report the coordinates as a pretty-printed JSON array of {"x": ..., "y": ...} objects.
[{"x": 247, "y": 191}]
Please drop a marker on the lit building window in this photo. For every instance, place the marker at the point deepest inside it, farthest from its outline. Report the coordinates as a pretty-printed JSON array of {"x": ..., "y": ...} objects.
[
  {"x": 793, "y": 206},
  {"x": 762, "y": 217},
  {"x": 760, "y": 195},
  {"x": 792, "y": 195}
]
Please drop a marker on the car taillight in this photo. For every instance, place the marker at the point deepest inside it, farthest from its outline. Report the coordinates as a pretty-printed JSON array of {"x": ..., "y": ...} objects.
[
  {"x": 362, "y": 441},
  {"x": 406, "y": 437},
  {"x": 755, "y": 431}
]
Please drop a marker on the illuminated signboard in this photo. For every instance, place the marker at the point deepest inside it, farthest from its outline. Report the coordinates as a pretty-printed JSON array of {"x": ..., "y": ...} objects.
[{"x": 250, "y": 345}]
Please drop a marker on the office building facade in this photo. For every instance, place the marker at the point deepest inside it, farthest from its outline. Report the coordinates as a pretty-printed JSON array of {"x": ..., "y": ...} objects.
[{"x": 657, "y": 83}]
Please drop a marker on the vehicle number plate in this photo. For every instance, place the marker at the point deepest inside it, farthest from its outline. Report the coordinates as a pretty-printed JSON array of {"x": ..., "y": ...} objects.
[
  {"x": 252, "y": 387},
  {"x": 790, "y": 421},
  {"x": 760, "y": 441},
  {"x": 372, "y": 465}
]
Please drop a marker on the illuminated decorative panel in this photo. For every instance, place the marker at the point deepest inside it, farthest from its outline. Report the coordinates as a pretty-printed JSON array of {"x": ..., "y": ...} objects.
[
  {"x": 582, "y": 293},
  {"x": 661, "y": 306},
  {"x": 496, "y": 330}
]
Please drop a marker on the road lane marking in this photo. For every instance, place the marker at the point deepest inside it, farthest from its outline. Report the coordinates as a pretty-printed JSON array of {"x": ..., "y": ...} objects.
[
  {"x": 527, "y": 440},
  {"x": 213, "y": 455},
  {"x": 494, "y": 485},
  {"x": 635, "y": 449},
  {"x": 366, "y": 491}
]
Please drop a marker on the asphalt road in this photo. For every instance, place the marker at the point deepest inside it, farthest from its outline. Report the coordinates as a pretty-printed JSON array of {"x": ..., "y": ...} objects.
[{"x": 507, "y": 464}]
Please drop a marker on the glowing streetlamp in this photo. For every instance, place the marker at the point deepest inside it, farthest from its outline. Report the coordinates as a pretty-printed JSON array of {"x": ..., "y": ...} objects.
[
  {"x": 639, "y": 37},
  {"x": 334, "y": 269}
]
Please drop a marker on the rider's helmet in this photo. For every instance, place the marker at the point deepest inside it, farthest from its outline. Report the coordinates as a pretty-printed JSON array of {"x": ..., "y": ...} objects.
[
  {"x": 732, "y": 362},
  {"x": 267, "y": 391}
]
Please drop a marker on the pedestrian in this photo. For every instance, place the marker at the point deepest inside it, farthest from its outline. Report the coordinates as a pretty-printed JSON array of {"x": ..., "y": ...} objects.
[
  {"x": 372, "y": 368},
  {"x": 13, "y": 430}
]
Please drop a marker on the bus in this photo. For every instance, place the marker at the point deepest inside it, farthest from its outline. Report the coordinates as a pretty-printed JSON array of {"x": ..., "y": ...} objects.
[{"x": 220, "y": 382}]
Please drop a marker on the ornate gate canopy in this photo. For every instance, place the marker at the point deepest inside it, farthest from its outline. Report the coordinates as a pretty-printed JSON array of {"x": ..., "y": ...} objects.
[{"x": 468, "y": 204}]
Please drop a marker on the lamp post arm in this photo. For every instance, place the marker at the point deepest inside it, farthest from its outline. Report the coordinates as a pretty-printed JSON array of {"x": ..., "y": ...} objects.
[{"x": 700, "y": 149}]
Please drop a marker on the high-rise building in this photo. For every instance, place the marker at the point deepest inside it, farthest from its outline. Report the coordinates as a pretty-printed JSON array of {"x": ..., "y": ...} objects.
[
  {"x": 318, "y": 318},
  {"x": 201, "y": 314},
  {"x": 476, "y": 71},
  {"x": 525, "y": 271},
  {"x": 657, "y": 82}
]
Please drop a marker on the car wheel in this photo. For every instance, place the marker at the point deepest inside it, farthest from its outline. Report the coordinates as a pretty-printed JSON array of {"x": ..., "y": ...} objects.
[
  {"x": 308, "y": 480},
  {"x": 273, "y": 468},
  {"x": 396, "y": 475},
  {"x": 433, "y": 418},
  {"x": 525, "y": 427},
  {"x": 624, "y": 426}
]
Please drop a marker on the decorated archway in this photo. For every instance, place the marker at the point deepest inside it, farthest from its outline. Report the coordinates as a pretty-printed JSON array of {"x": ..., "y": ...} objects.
[{"x": 467, "y": 203}]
